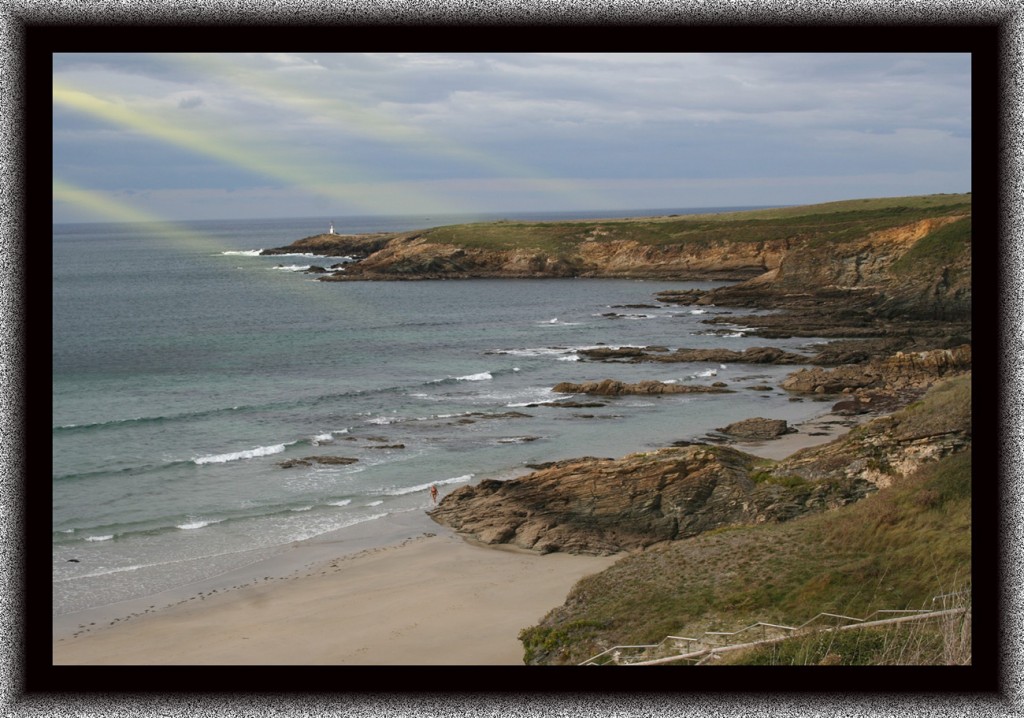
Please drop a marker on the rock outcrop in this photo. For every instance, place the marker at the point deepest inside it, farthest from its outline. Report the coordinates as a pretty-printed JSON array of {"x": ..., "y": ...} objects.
[
  {"x": 916, "y": 272},
  {"x": 757, "y": 429},
  {"x": 900, "y": 371},
  {"x": 751, "y": 355},
  {"x": 310, "y": 460},
  {"x": 603, "y": 506},
  {"x": 612, "y": 387}
]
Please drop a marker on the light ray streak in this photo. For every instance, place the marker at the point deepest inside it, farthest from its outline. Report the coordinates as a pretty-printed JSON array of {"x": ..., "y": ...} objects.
[
  {"x": 112, "y": 210},
  {"x": 334, "y": 182},
  {"x": 183, "y": 239},
  {"x": 380, "y": 126}
]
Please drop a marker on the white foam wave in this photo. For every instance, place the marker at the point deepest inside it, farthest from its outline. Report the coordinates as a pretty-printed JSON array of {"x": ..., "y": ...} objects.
[
  {"x": 244, "y": 252},
  {"x": 99, "y": 538},
  {"x": 571, "y": 357},
  {"x": 343, "y": 502},
  {"x": 424, "y": 487},
  {"x": 237, "y": 455},
  {"x": 293, "y": 267},
  {"x": 375, "y": 503},
  {"x": 319, "y": 438},
  {"x": 542, "y": 396},
  {"x": 384, "y": 420},
  {"x": 482, "y": 376},
  {"x": 197, "y": 524},
  {"x": 302, "y": 508},
  {"x": 707, "y": 373}
]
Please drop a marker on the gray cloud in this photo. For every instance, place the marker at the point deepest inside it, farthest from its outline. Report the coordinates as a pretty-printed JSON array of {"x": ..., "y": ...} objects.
[{"x": 412, "y": 118}]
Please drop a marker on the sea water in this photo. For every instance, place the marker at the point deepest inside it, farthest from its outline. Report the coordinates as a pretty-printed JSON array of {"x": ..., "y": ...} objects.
[{"x": 187, "y": 368}]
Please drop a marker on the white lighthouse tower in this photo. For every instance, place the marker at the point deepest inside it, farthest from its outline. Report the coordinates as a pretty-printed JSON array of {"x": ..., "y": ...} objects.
[{"x": 331, "y": 230}]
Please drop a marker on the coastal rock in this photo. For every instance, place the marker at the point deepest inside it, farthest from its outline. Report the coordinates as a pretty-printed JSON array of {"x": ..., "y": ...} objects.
[
  {"x": 612, "y": 387},
  {"x": 310, "y": 460},
  {"x": 757, "y": 429},
  {"x": 893, "y": 445},
  {"x": 751, "y": 355},
  {"x": 900, "y": 371},
  {"x": 337, "y": 245},
  {"x": 603, "y": 506},
  {"x": 681, "y": 296}
]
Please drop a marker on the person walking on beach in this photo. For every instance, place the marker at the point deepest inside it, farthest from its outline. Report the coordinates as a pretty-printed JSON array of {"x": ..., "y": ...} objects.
[{"x": 433, "y": 493}]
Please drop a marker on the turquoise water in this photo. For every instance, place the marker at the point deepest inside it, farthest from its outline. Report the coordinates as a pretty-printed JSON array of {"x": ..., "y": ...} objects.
[{"x": 187, "y": 367}]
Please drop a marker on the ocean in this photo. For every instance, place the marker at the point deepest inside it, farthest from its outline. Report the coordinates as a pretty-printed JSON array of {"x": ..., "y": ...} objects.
[{"x": 187, "y": 369}]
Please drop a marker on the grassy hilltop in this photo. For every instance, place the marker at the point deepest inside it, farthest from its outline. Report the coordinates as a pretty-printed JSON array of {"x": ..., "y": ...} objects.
[{"x": 829, "y": 222}]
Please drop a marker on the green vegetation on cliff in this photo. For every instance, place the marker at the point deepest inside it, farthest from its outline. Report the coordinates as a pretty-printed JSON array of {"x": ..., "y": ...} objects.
[
  {"x": 831, "y": 222},
  {"x": 895, "y": 549},
  {"x": 937, "y": 249}
]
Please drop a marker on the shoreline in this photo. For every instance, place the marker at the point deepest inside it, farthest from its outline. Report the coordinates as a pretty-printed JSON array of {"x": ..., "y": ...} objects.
[
  {"x": 433, "y": 599},
  {"x": 415, "y": 594}
]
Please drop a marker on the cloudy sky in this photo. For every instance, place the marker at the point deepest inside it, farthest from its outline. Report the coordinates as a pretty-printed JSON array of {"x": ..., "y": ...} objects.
[{"x": 220, "y": 136}]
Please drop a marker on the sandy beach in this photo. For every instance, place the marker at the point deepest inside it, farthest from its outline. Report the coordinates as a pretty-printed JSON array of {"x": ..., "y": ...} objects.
[{"x": 429, "y": 599}]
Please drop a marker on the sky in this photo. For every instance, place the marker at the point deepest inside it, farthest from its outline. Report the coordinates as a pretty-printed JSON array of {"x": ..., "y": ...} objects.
[{"x": 184, "y": 136}]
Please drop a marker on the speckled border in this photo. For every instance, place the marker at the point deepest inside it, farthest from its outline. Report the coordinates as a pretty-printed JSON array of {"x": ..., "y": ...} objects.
[{"x": 458, "y": 688}]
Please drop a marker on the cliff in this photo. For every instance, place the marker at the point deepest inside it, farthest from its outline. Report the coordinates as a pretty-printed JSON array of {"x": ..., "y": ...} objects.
[
  {"x": 921, "y": 269},
  {"x": 859, "y": 263},
  {"x": 838, "y": 245}
]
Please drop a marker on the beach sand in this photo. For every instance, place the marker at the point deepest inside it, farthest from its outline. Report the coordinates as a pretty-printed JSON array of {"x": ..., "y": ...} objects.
[{"x": 430, "y": 599}]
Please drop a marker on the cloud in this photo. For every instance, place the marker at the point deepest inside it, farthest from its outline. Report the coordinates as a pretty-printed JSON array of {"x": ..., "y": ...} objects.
[{"x": 336, "y": 124}]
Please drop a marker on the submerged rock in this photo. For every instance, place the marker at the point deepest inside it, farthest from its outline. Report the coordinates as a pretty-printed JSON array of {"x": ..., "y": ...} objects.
[
  {"x": 310, "y": 460},
  {"x": 612, "y": 387}
]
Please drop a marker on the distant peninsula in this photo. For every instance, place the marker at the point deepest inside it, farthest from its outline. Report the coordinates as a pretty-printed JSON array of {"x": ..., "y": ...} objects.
[{"x": 896, "y": 268}]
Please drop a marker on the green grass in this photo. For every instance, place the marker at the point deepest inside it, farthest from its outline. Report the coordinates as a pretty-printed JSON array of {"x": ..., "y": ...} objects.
[
  {"x": 893, "y": 550},
  {"x": 942, "y": 641},
  {"x": 941, "y": 247},
  {"x": 832, "y": 222},
  {"x": 767, "y": 477}
]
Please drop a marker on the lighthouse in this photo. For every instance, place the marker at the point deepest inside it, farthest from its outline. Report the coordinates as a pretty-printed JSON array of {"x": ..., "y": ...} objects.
[{"x": 331, "y": 230}]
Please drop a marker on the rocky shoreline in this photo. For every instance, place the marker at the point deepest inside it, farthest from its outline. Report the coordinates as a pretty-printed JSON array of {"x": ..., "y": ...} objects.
[
  {"x": 603, "y": 506},
  {"x": 886, "y": 288}
]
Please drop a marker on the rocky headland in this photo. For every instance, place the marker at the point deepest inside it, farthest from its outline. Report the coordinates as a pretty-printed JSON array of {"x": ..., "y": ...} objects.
[
  {"x": 877, "y": 276},
  {"x": 886, "y": 282}
]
